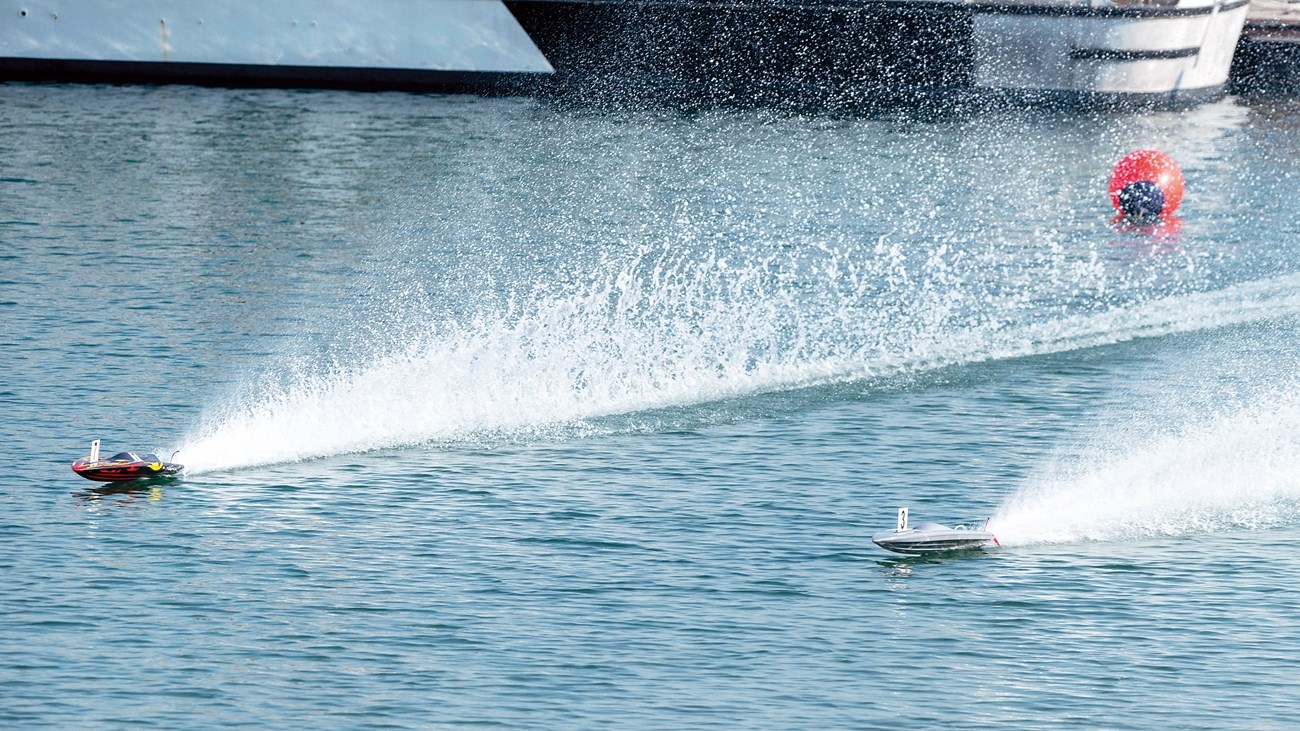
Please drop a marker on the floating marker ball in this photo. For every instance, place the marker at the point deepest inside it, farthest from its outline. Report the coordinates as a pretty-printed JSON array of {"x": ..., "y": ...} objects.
[{"x": 1146, "y": 184}]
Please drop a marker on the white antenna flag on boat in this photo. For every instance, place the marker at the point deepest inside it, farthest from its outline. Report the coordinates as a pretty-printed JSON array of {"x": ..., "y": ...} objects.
[
  {"x": 94, "y": 451},
  {"x": 902, "y": 519}
]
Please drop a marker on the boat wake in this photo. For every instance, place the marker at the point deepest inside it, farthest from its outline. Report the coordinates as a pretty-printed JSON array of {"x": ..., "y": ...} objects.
[
  {"x": 661, "y": 329},
  {"x": 1235, "y": 471}
]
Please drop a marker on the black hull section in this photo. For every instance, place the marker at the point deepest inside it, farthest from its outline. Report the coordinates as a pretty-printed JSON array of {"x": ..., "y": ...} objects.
[
  {"x": 926, "y": 548},
  {"x": 813, "y": 53},
  {"x": 241, "y": 76},
  {"x": 1264, "y": 65}
]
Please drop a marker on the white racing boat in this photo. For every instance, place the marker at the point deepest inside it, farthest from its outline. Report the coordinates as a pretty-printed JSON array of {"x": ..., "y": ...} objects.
[{"x": 928, "y": 538}]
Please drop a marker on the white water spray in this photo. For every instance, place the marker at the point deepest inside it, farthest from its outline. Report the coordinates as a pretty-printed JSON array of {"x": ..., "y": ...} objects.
[
  {"x": 668, "y": 329},
  {"x": 1234, "y": 471}
]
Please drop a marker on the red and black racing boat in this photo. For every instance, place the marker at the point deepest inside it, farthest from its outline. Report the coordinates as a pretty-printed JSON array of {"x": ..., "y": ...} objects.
[{"x": 123, "y": 466}]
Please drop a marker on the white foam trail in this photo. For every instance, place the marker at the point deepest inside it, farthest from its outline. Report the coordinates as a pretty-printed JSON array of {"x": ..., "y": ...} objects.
[
  {"x": 672, "y": 330},
  {"x": 1236, "y": 471}
]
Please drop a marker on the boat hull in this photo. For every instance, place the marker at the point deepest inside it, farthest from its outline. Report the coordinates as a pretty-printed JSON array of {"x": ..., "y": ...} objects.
[
  {"x": 1114, "y": 52},
  {"x": 116, "y": 471},
  {"x": 918, "y": 542},
  {"x": 1176, "y": 49},
  {"x": 837, "y": 53}
]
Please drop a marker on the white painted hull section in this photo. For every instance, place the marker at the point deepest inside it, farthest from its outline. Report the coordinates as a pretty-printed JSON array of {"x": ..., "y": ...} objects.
[
  {"x": 1090, "y": 54},
  {"x": 430, "y": 35}
]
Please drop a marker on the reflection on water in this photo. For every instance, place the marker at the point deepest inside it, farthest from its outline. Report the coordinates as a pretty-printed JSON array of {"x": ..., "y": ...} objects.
[
  {"x": 1162, "y": 237},
  {"x": 132, "y": 493}
]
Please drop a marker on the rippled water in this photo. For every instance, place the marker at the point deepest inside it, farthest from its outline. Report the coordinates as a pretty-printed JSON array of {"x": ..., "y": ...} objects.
[{"x": 506, "y": 413}]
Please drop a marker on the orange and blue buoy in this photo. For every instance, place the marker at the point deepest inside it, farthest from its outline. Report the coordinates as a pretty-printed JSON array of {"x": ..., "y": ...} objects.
[{"x": 1146, "y": 185}]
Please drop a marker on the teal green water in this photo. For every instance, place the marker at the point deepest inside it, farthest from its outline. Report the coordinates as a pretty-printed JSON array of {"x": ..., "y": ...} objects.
[{"x": 501, "y": 413}]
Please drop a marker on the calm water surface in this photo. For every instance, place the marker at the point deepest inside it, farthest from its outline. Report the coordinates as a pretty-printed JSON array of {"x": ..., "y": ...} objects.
[{"x": 502, "y": 413}]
